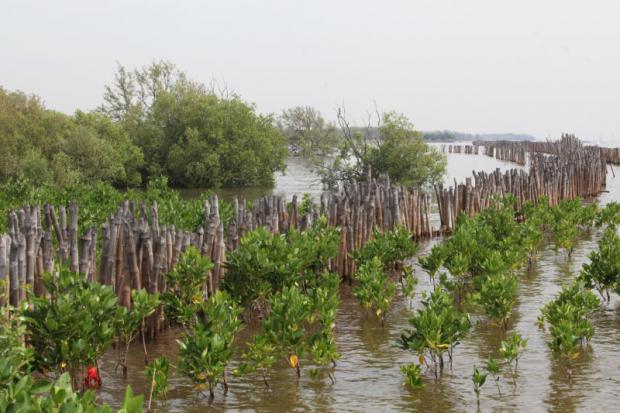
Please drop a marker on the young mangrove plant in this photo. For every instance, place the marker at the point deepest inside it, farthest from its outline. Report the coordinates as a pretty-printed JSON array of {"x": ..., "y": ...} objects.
[
  {"x": 492, "y": 368},
  {"x": 603, "y": 271},
  {"x": 437, "y": 328},
  {"x": 297, "y": 323},
  {"x": 324, "y": 302},
  {"x": 510, "y": 351},
  {"x": 374, "y": 289},
  {"x": 478, "y": 379},
  {"x": 206, "y": 350},
  {"x": 497, "y": 296},
  {"x": 71, "y": 327},
  {"x": 569, "y": 318},
  {"x": 391, "y": 247},
  {"x": 569, "y": 220},
  {"x": 264, "y": 263},
  {"x": 157, "y": 374},
  {"x": 185, "y": 287},
  {"x": 408, "y": 282},
  {"x": 130, "y": 322},
  {"x": 413, "y": 375}
]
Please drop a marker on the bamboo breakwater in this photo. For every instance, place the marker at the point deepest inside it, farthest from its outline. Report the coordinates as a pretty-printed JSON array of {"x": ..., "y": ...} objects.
[
  {"x": 136, "y": 251},
  {"x": 573, "y": 171},
  {"x": 465, "y": 149},
  {"x": 133, "y": 250},
  {"x": 505, "y": 148}
]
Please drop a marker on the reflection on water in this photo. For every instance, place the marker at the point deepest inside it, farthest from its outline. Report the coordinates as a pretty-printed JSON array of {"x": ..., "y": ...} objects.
[{"x": 368, "y": 375}]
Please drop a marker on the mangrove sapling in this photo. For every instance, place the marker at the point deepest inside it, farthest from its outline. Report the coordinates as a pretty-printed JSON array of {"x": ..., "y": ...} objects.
[
  {"x": 130, "y": 322},
  {"x": 19, "y": 392},
  {"x": 493, "y": 369},
  {"x": 264, "y": 263},
  {"x": 185, "y": 287},
  {"x": 391, "y": 247},
  {"x": 282, "y": 333},
  {"x": 497, "y": 296},
  {"x": 324, "y": 301},
  {"x": 603, "y": 271},
  {"x": 437, "y": 328},
  {"x": 71, "y": 327},
  {"x": 408, "y": 282},
  {"x": 433, "y": 262},
  {"x": 157, "y": 374},
  {"x": 569, "y": 319},
  {"x": 478, "y": 379},
  {"x": 568, "y": 221},
  {"x": 259, "y": 357},
  {"x": 205, "y": 351},
  {"x": 413, "y": 375},
  {"x": 609, "y": 215},
  {"x": 373, "y": 288},
  {"x": 510, "y": 351}
]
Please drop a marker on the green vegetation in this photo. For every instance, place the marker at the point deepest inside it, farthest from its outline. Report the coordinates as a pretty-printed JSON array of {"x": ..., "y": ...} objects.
[
  {"x": 154, "y": 122},
  {"x": 130, "y": 321},
  {"x": 437, "y": 329},
  {"x": 413, "y": 375},
  {"x": 287, "y": 332},
  {"x": 383, "y": 255},
  {"x": 569, "y": 317},
  {"x": 100, "y": 200},
  {"x": 395, "y": 148},
  {"x": 478, "y": 380},
  {"x": 264, "y": 263},
  {"x": 185, "y": 286},
  {"x": 603, "y": 271},
  {"x": 390, "y": 247},
  {"x": 157, "y": 373},
  {"x": 45, "y": 146},
  {"x": 206, "y": 350},
  {"x": 497, "y": 296},
  {"x": 71, "y": 328},
  {"x": 309, "y": 135},
  {"x": 23, "y": 391},
  {"x": 373, "y": 288},
  {"x": 510, "y": 351}
]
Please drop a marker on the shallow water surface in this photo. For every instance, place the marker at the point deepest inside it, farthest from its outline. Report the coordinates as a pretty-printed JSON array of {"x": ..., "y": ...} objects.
[{"x": 368, "y": 376}]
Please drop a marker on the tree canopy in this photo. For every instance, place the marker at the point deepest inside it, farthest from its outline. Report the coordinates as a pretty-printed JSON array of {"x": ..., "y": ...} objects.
[
  {"x": 395, "y": 148},
  {"x": 43, "y": 145},
  {"x": 191, "y": 134}
]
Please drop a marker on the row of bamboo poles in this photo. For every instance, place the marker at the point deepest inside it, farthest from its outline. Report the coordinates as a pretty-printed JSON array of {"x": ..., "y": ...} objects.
[
  {"x": 133, "y": 250},
  {"x": 465, "y": 149},
  {"x": 574, "y": 171}
]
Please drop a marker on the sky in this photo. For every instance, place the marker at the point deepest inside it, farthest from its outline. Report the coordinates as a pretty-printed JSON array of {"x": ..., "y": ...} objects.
[{"x": 540, "y": 67}]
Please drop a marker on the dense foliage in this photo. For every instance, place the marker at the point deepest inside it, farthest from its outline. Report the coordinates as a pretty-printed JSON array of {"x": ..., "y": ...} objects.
[
  {"x": 21, "y": 391},
  {"x": 71, "y": 327},
  {"x": 46, "y": 146},
  {"x": 437, "y": 329},
  {"x": 98, "y": 201},
  {"x": 569, "y": 318},
  {"x": 206, "y": 350},
  {"x": 154, "y": 122},
  {"x": 264, "y": 262},
  {"x": 191, "y": 134}
]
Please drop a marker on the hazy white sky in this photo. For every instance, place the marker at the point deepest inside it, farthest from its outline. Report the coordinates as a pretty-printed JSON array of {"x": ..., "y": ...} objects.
[{"x": 533, "y": 66}]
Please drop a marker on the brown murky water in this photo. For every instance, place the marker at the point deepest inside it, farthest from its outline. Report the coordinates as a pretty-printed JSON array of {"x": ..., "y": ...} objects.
[{"x": 368, "y": 375}]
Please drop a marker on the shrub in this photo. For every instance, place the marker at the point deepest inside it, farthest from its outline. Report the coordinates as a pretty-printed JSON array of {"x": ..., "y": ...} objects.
[{"x": 71, "y": 327}]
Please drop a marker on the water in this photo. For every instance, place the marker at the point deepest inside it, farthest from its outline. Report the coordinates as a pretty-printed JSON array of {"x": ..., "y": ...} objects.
[
  {"x": 368, "y": 375},
  {"x": 299, "y": 178}
]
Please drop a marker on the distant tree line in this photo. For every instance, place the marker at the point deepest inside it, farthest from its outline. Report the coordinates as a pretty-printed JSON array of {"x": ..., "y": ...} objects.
[{"x": 156, "y": 122}]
